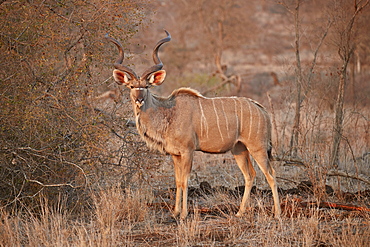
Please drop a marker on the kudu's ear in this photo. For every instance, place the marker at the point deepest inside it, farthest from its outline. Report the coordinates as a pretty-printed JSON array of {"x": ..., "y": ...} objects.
[
  {"x": 120, "y": 77},
  {"x": 157, "y": 77}
]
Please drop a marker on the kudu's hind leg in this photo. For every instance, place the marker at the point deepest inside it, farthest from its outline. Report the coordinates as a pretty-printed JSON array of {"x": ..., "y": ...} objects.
[
  {"x": 182, "y": 165},
  {"x": 242, "y": 158},
  {"x": 263, "y": 162}
]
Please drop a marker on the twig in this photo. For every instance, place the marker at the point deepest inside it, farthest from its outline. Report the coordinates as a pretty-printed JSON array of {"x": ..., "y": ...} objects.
[
  {"x": 49, "y": 185},
  {"x": 347, "y": 175},
  {"x": 343, "y": 206},
  {"x": 41, "y": 153}
]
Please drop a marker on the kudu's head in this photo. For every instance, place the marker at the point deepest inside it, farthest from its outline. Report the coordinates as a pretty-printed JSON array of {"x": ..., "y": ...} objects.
[{"x": 139, "y": 86}]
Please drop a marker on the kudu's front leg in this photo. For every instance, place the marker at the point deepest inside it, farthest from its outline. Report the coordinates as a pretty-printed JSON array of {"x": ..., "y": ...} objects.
[{"x": 182, "y": 164}]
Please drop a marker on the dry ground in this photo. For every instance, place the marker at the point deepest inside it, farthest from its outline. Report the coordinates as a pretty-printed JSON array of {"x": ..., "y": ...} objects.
[{"x": 124, "y": 217}]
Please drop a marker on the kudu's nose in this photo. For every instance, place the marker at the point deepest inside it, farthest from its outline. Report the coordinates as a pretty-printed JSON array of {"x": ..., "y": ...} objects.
[{"x": 139, "y": 101}]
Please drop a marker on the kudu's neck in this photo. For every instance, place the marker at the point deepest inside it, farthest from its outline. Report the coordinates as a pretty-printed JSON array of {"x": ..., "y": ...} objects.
[
  {"x": 151, "y": 101},
  {"x": 152, "y": 120}
]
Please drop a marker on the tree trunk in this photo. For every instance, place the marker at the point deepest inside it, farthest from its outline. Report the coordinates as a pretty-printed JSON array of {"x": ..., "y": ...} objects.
[
  {"x": 345, "y": 51},
  {"x": 338, "y": 118},
  {"x": 298, "y": 72}
]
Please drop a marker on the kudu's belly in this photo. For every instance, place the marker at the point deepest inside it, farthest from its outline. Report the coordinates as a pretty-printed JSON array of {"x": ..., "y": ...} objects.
[{"x": 216, "y": 144}]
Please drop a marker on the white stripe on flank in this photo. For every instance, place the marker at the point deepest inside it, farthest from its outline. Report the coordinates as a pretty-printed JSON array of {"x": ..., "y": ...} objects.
[
  {"x": 264, "y": 121},
  {"x": 250, "y": 119},
  {"x": 241, "y": 115},
  {"x": 217, "y": 120},
  {"x": 227, "y": 121},
  {"x": 259, "y": 120},
  {"x": 236, "y": 119},
  {"x": 203, "y": 121}
]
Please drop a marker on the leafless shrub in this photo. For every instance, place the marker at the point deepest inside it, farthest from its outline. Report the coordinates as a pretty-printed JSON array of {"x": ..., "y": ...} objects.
[{"x": 52, "y": 141}]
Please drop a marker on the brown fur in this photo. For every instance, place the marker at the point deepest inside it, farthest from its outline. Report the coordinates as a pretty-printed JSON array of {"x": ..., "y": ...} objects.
[{"x": 186, "y": 121}]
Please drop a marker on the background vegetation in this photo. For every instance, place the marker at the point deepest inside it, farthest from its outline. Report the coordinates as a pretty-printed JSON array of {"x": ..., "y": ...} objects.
[{"x": 72, "y": 171}]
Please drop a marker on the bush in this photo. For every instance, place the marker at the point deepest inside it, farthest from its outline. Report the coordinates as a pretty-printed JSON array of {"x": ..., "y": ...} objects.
[{"x": 52, "y": 139}]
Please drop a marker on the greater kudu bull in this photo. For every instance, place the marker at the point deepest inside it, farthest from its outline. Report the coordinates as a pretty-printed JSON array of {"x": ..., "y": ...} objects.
[{"x": 186, "y": 121}]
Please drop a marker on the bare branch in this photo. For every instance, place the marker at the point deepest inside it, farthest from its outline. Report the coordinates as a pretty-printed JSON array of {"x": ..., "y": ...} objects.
[
  {"x": 40, "y": 153},
  {"x": 234, "y": 79},
  {"x": 339, "y": 173},
  {"x": 50, "y": 185},
  {"x": 313, "y": 64}
]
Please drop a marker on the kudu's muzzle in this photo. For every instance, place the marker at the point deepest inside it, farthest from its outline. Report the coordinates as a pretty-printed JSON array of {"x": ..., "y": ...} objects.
[{"x": 138, "y": 96}]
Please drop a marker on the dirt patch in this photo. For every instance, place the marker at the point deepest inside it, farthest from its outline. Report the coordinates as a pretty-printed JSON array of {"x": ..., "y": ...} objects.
[{"x": 220, "y": 200}]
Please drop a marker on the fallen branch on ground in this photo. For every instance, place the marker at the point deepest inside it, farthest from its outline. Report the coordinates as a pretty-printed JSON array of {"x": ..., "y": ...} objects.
[
  {"x": 331, "y": 205},
  {"x": 347, "y": 175},
  {"x": 231, "y": 208}
]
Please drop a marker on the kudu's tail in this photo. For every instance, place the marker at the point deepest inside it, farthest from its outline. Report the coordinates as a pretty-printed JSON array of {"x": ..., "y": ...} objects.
[{"x": 269, "y": 151}]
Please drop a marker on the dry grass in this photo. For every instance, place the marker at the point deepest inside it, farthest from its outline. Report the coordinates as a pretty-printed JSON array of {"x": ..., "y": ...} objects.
[
  {"x": 123, "y": 218},
  {"x": 141, "y": 216}
]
